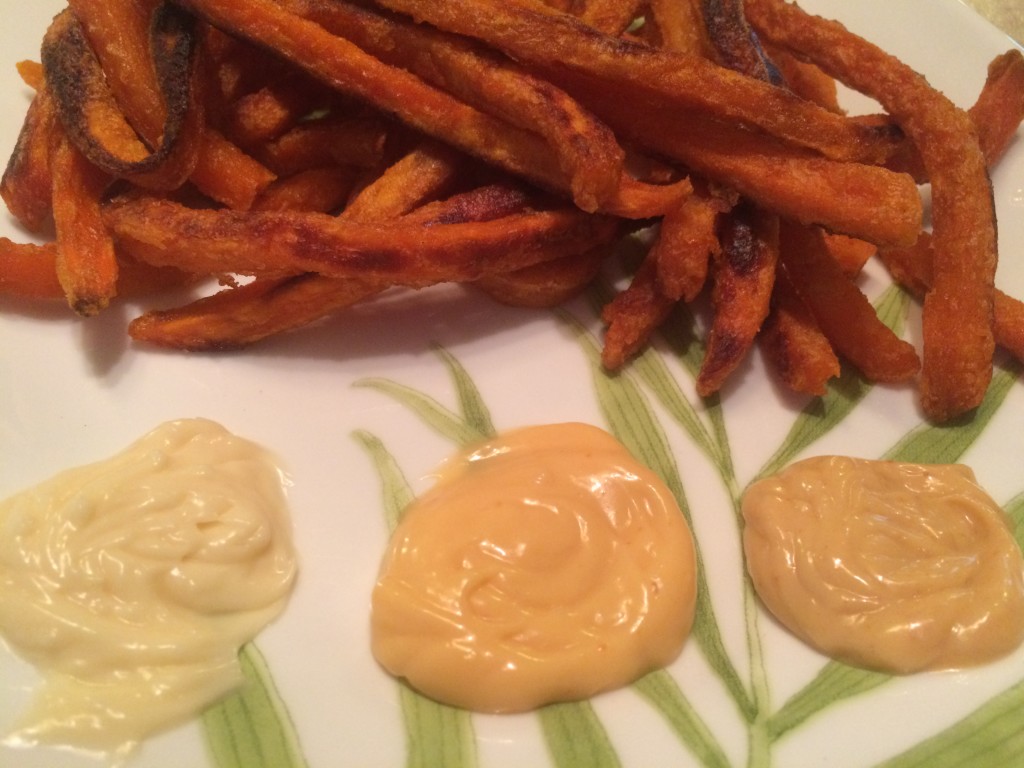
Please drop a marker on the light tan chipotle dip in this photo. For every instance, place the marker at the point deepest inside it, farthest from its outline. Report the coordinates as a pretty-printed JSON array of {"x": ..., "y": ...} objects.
[
  {"x": 891, "y": 566},
  {"x": 132, "y": 582},
  {"x": 544, "y": 565}
]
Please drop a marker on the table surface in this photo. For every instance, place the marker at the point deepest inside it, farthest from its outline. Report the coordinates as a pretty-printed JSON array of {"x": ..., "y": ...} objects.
[{"x": 1008, "y": 15}]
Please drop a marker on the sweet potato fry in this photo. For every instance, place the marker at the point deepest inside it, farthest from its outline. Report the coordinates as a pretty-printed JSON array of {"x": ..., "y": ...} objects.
[
  {"x": 680, "y": 26},
  {"x": 794, "y": 345},
  {"x": 26, "y": 187},
  {"x": 863, "y": 201},
  {"x": 586, "y": 149},
  {"x": 912, "y": 268},
  {"x": 548, "y": 284},
  {"x": 87, "y": 103},
  {"x": 843, "y": 313},
  {"x": 343, "y": 140},
  {"x": 556, "y": 44},
  {"x": 958, "y": 310},
  {"x": 29, "y": 270},
  {"x": 86, "y": 264},
  {"x": 165, "y": 233},
  {"x": 744, "y": 274},
  {"x": 632, "y": 317},
  {"x": 323, "y": 189},
  {"x": 688, "y": 237}
]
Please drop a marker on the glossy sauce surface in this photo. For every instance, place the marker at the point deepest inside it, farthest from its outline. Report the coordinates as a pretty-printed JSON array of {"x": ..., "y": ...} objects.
[
  {"x": 132, "y": 582},
  {"x": 885, "y": 565},
  {"x": 544, "y": 565}
]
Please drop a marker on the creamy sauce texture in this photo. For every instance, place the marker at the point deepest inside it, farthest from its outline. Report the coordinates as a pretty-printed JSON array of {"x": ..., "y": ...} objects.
[
  {"x": 544, "y": 565},
  {"x": 885, "y": 565},
  {"x": 131, "y": 583}
]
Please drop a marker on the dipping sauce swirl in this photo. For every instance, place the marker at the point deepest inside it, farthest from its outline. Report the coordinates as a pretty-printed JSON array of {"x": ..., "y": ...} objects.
[
  {"x": 544, "y": 565},
  {"x": 132, "y": 582},
  {"x": 891, "y": 566}
]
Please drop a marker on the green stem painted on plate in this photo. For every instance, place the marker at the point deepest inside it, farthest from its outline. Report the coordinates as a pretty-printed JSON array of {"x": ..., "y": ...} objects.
[
  {"x": 665, "y": 695},
  {"x": 575, "y": 736},
  {"x": 252, "y": 728},
  {"x": 435, "y": 734},
  {"x": 993, "y": 735}
]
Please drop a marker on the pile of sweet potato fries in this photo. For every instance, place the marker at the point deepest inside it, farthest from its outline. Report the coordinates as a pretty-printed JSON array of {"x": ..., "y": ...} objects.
[{"x": 311, "y": 154}]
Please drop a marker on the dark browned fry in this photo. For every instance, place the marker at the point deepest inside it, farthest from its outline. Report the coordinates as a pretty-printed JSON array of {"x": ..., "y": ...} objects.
[
  {"x": 164, "y": 233},
  {"x": 559, "y": 44},
  {"x": 688, "y": 237},
  {"x": 94, "y": 121},
  {"x": 744, "y": 274}
]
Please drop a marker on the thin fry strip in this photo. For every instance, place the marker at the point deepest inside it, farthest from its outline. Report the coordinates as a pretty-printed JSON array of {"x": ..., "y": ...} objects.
[
  {"x": 162, "y": 233},
  {"x": 743, "y": 278},
  {"x": 794, "y": 345},
  {"x": 687, "y": 238},
  {"x": 958, "y": 310},
  {"x": 241, "y": 316},
  {"x": 911, "y": 267},
  {"x": 119, "y": 32},
  {"x": 26, "y": 187},
  {"x": 349, "y": 69},
  {"x": 843, "y": 313},
  {"x": 29, "y": 270},
  {"x": 558, "y": 43},
  {"x": 86, "y": 263},
  {"x": 680, "y": 26},
  {"x": 632, "y": 317},
  {"x": 93, "y": 118},
  {"x": 863, "y": 201},
  {"x": 587, "y": 150},
  {"x": 323, "y": 189}
]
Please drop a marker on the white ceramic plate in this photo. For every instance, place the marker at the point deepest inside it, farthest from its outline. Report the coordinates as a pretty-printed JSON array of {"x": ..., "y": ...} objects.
[{"x": 73, "y": 391}]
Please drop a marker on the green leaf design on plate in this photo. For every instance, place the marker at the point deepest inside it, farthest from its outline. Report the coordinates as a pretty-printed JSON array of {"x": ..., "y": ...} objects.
[
  {"x": 927, "y": 443},
  {"x": 575, "y": 736},
  {"x": 993, "y": 735},
  {"x": 1015, "y": 509},
  {"x": 935, "y": 444},
  {"x": 836, "y": 681},
  {"x": 252, "y": 728},
  {"x": 435, "y": 734},
  {"x": 631, "y": 420},
  {"x": 665, "y": 695}
]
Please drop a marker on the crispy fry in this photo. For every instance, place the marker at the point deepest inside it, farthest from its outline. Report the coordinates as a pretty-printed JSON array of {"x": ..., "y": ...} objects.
[
  {"x": 586, "y": 149},
  {"x": 548, "y": 284},
  {"x": 558, "y": 44},
  {"x": 843, "y": 313},
  {"x": 686, "y": 240},
  {"x": 164, "y": 233},
  {"x": 860, "y": 200},
  {"x": 958, "y": 310},
  {"x": 317, "y": 189},
  {"x": 86, "y": 265},
  {"x": 794, "y": 345},
  {"x": 235, "y": 318},
  {"x": 26, "y": 185},
  {"x": 680, "y": 26},
  {"x": 999, "y": 110},
  {"x": 29, "y": 270},
  {"x": 357, "y": 141},
  {"x": 743, "y": 278},
  {"x": 632, "y": 317},
  {"x": 912, "y": 268},
  {"x": 166, "y": 155}
]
